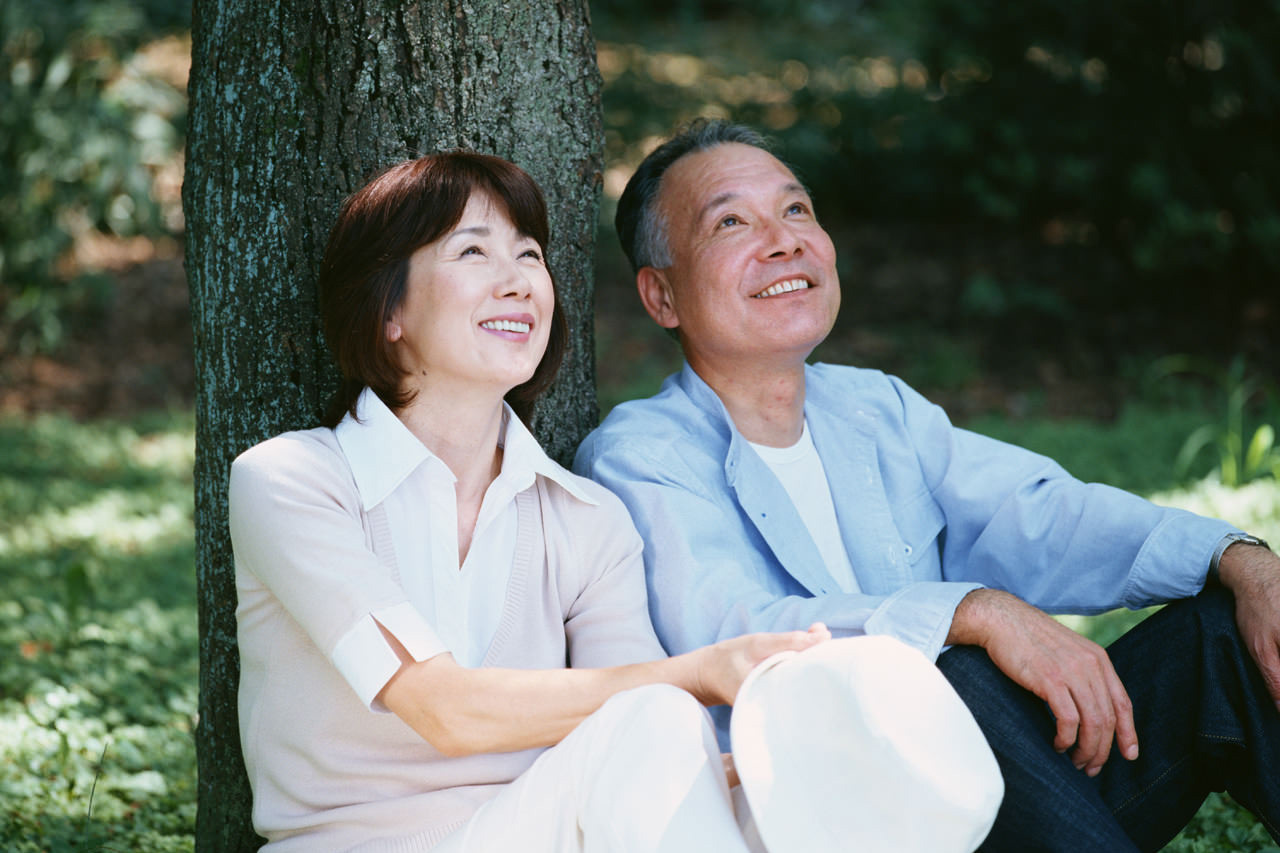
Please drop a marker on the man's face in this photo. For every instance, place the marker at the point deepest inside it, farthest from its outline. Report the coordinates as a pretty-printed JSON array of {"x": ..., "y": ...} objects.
[{"x": 753, "y": 274}]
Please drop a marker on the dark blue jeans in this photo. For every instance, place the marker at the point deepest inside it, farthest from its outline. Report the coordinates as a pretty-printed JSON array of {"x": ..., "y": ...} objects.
[{"x": 1205, "y": 723}]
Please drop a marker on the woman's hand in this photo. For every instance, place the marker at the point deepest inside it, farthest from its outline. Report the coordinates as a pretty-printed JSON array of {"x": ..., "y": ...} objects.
[{"x": 722, "y": 667}]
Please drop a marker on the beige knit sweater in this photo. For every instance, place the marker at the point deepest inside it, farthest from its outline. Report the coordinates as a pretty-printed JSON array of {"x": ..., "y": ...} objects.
[{"x": 327, "y": 771}]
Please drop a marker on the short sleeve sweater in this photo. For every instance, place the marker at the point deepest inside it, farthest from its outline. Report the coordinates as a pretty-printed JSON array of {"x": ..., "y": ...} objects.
[{"x": 314, "y": 566}]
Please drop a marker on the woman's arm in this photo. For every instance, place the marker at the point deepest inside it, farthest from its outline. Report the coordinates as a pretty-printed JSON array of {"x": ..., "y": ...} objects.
[{"x": 462, "y": 711}]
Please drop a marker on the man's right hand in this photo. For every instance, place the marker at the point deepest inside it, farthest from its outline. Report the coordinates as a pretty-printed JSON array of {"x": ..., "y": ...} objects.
[{"x": 1071, "y": 673}]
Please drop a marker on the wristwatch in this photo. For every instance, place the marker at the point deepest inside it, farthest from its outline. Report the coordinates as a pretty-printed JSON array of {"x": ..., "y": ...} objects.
[{"x": 1227, "y": 541}]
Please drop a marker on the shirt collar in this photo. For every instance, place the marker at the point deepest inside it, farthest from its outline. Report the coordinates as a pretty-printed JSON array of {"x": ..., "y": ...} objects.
[
  {"x": 380, "y": 449},
  {"x": 523, "y": 459},
  {"x": 382, "y": 452},
  {"x": 706, "y": 400}
]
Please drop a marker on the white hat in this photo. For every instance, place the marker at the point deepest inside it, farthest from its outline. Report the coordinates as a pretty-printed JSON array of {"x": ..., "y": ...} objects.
[{"x": 861, "y": 745}]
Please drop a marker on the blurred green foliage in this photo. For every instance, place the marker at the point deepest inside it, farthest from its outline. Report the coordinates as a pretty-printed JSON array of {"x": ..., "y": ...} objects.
[
  {"x": 84, "y": 127},
  {"x": 1134, "y": 452},
  {"x": 1244, "y": 439},
  {"x": 1137, "y": 134}
]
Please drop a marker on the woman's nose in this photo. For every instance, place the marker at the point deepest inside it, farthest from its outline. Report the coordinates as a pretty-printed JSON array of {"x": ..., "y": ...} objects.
[{"x": 513, "y": 282}]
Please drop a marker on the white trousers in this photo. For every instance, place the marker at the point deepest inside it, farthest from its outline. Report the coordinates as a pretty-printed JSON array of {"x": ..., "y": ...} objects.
[{"x": 643, "y": 774}]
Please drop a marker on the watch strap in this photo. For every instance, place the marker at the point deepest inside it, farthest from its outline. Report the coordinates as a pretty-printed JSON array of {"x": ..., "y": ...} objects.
[{"x": 1227, "y": 541}]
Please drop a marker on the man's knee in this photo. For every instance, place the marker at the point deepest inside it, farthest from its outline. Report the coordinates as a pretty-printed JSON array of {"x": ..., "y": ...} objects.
[
  {"x": 1185, "y": 628},
  {"x": 1213, "y": 611}
]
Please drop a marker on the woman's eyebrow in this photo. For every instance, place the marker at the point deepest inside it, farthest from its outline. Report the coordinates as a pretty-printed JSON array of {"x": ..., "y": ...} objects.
[{"x": 477, "y": 230}]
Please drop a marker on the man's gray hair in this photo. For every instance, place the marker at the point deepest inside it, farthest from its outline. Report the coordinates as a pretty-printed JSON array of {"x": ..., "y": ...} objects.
[{"x": 641, "y": 226}]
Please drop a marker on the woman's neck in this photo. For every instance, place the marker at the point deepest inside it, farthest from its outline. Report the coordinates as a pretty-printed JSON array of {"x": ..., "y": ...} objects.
[{"x": 463, "y": 432}]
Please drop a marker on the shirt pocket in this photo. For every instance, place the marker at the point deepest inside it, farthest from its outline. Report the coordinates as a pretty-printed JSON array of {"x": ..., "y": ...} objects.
[{"x": 921, "y": 527}]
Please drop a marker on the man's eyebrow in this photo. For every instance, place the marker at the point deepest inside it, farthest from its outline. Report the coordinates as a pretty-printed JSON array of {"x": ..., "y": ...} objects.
[
  {"x": 713, "y": 204},
  {"x": 789, "y": 187}
]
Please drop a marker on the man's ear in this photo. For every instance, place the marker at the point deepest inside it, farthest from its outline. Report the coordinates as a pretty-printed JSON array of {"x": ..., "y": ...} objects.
[{"x": 655, "y": 292}]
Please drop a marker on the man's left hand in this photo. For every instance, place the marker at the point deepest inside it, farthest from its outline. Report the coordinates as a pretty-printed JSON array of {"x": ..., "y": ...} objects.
[{"x": 1252, "y": 573}]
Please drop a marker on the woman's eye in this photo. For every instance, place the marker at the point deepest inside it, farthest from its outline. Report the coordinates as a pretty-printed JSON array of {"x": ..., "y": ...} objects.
[
  {"x": 730, "y": 221},
  {"x": 472, "y": 250},
  {"x": 531, "y": 253}
]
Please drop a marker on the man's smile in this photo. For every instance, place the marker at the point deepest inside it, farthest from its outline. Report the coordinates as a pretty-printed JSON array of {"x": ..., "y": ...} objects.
[{"x": 789, "y": 286}]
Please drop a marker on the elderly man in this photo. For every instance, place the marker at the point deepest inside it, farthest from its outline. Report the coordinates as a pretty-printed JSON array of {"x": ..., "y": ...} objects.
[{"x": 772, "y": 494}]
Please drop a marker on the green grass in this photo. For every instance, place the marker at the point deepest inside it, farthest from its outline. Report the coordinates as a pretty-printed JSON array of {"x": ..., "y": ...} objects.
[
  {"x": 98, "y": 620},
  {"x": 97, "y": 635},
  {"x": 1135, "y": 452}
]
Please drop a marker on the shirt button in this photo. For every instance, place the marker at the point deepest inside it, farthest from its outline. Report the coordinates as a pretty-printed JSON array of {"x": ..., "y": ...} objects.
[{"x": 906, "y": 549}]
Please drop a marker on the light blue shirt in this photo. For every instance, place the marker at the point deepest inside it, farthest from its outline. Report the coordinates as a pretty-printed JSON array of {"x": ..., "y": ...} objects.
[{"x": 927, "y": 511}]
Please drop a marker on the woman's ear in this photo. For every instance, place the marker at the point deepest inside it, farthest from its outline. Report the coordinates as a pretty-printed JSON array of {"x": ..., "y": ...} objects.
[
  {"x": 655, "y": 292},
  {"x": 394, "y": 332}
]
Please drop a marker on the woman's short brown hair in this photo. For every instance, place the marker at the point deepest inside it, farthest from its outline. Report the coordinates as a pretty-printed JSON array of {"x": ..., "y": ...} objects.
[{"x": 366, "y": 266}]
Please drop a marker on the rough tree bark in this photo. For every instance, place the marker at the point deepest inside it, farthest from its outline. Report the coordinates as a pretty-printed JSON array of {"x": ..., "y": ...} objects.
[{"x": 293, "y": 104}]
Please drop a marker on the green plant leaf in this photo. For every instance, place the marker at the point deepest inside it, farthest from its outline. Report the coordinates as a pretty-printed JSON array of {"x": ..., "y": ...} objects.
[
  {"x": 1261, "y": 450},
  {"x": 1199, "y": 439}
]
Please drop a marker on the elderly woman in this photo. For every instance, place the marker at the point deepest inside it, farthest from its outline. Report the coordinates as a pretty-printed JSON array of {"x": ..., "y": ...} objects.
[{"x": 443, "y": 634}]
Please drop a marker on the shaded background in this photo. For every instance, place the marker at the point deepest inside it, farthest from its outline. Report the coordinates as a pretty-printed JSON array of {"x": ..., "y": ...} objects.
[
  {"x": 1059, "y": 219},
  {"x": 1031, "y": 204}
]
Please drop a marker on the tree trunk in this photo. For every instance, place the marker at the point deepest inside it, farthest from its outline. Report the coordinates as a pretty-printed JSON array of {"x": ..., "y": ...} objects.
[{"x": 293, "y": 105}]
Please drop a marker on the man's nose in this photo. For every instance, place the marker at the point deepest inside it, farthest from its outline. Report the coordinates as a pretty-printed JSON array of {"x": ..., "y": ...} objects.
[{"x": 781, "y": 241}]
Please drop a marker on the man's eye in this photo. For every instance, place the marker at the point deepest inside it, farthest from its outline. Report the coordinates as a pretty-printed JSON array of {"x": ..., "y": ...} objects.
[
  {"x": 797, "y": 207},
  {"x": 729, "y": 221}
]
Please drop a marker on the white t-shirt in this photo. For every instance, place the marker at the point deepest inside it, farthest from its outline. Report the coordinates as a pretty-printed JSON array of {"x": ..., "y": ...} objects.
[{"x": 799, "y": 469}]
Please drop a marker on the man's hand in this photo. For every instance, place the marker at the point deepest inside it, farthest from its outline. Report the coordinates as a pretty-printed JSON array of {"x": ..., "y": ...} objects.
[
  {"x": 1069, "y": 672},
  {"x": 1252, "y": 573}
]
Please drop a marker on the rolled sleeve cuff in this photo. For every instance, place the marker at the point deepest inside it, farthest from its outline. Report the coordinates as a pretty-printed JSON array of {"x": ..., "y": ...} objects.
[
  {"x": 367, "y": 662},
  {"x": 920, "y": 614},
  {"x": 1174, "y": 561}
]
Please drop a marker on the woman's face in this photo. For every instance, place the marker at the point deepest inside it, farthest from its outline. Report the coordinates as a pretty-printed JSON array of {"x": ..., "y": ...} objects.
[{"x": 477, "y": 306}]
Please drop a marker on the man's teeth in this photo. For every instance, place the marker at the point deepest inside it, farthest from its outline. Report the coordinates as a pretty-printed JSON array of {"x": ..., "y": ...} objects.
[
  {"x": 783, "y": 287},
  {"x": 506, "y": 326}
]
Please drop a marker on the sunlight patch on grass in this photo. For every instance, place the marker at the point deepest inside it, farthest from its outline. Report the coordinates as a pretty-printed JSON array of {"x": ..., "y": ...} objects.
[
  {"x": 98, "y": 636},
  {"x": 1254, "y": 507},
  {"x": 114, "y": 519}
]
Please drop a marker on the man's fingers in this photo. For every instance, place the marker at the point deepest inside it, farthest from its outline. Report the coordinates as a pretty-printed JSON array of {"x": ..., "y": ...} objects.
[
  {"x": 1126, "y": 730},
  {"x": 1268, "y": 659},
  {"x": 1067, "y": 716},
  {"x": 1097, "y": 725},
  {"x": 1091, "y": 709}
]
